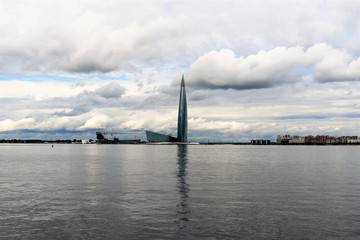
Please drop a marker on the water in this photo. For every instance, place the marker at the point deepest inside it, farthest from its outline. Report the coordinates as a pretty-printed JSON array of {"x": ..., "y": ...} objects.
[{"x": 179, "y": 192}]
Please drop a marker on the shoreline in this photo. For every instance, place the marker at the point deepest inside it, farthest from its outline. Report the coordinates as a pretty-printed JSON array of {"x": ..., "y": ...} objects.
[{"x": 67, "y": 141}]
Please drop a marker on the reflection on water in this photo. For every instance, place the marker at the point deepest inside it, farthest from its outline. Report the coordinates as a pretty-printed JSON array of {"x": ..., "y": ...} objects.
[
  {"x": 143, "y": 192},
  {"x": 183, "y": 210}
]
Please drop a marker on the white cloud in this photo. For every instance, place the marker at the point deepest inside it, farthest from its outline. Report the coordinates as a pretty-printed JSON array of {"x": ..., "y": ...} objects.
[
  {"x": 332, "y": 64},
  {"x": 9, "y": 124},
  {"x": 96, "y": 122},
  {"x": 223, "y": 70},
  {"x": 37, "y": 90},
  {"x": 155, "y": 120},
  {"x": 85, "y": 36}
]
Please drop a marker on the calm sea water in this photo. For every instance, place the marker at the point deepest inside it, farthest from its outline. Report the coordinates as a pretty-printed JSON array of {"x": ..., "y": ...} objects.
[{"x": 179, "y": 192}]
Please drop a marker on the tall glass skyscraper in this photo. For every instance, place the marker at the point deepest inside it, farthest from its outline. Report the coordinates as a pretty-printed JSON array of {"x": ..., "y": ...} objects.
[
  {"x": 182, "y": 115},
  {"x": 182, "y": 122}
]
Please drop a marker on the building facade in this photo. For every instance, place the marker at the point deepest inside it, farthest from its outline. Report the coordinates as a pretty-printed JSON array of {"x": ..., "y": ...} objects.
[
  {"x": 182, "y": 114},
  {"x": 158, "y": 137}
]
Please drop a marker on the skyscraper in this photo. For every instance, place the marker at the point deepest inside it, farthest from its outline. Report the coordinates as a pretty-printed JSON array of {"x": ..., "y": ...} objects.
[
  {"x": 182, "y": 122},
  {"x": 182, "y": 114}
]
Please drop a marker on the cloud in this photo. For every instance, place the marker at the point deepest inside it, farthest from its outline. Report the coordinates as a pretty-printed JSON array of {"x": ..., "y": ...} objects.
[
  {"x": 332, "y": 65},
  {"x": 199, "y": 95},
  {"x": 111, "y": 90},
  {"x": 9, "y": 124},
  {"x": 92, "y": 42},
  {"x": 83, "y": 36},
  {"x": 96, "y": 122},
  {"x": 156, "y": 120},
  {"x": 39, "y": 90},
  {"x": 319, "y": 116},
  {"x": 223, "y": 70},
  {"x": 70, "y": 67}
]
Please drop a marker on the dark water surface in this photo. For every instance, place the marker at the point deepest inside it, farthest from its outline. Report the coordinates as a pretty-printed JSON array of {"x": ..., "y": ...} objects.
[{"x": 179, "y": 192}]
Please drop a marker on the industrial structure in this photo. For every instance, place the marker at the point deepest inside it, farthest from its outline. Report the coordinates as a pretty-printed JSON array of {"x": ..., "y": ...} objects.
[
  {"x": 182, "y": 123},
  {"x": 102, "y": 138}
]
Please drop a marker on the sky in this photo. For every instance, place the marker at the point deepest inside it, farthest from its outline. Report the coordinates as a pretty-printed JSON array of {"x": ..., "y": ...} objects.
[{"x": 253, "y": 69}]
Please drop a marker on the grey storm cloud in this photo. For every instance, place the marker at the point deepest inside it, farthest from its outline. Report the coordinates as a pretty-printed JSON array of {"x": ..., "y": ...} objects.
[
  {"x": 199, "y": 95},
  {"x": 319, "y": 116},
  {"x": 111, "y": 90},
  {"x": 105, "y": 96}
]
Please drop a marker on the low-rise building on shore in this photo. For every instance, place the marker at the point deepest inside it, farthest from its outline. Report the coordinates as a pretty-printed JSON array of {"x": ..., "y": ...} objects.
[
  {"x": 317, "y": 140},
  {"x": 260, "y": 142},
  {"x": 288, "y": 139}
]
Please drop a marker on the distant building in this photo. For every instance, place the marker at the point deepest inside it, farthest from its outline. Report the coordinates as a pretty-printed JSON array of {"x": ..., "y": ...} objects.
[
  {"x": 101, "y": 138},
  {"x": 288, "y": 139},
  {"x": 182, "y": 122},
  {"x": 260, "y": 142},
  {"x": 158, "y": 137},
  {"x": 182, "y": 114},
  {"x": 353, "y": 140},
  {"x": 318, "y": 140},
  {"x": 297, "y": 140}
]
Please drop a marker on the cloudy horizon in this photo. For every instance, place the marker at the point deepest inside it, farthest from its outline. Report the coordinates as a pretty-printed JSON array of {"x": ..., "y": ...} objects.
[{"x": 253, "y": 69}]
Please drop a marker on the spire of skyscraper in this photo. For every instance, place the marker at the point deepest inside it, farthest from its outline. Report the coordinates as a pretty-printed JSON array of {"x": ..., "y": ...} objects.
[{"x": 182, "y": 115}]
